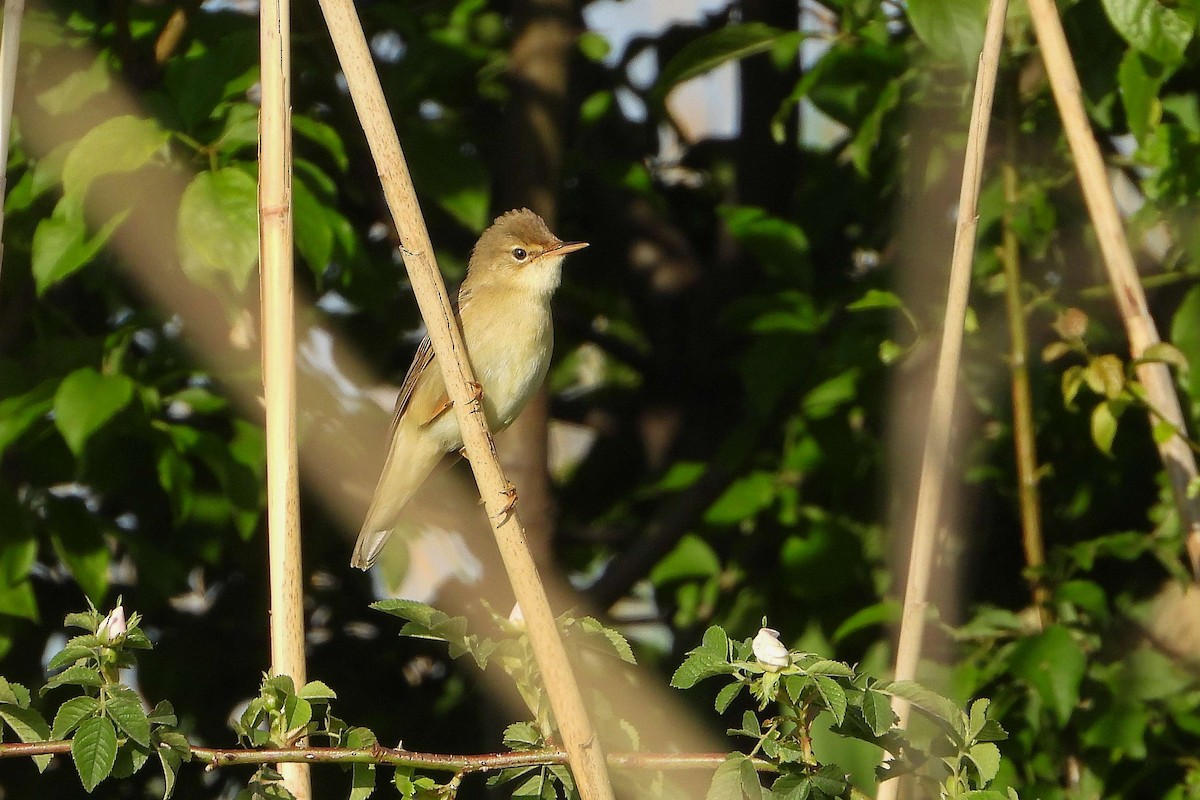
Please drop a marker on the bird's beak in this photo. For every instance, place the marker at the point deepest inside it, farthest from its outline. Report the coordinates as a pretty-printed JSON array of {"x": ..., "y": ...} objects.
[{"x": 567, "y": 247}]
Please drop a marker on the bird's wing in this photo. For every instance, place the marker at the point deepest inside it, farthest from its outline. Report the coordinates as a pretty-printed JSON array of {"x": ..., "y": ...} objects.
[{"x": 421, "y": 364}]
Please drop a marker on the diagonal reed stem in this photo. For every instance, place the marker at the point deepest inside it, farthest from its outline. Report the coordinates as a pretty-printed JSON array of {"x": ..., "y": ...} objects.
[
  {"x": 936, "y": 454},
  {"x": 584, "y": 753}
]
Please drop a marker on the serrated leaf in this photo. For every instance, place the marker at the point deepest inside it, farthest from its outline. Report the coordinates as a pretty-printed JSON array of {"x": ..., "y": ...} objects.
[
  {"x": 69, "y": 655},
  {"x": 831, "y": 780},
  {"x": 833, "y": 695},
  {"x": 977, "y": 717},
  {"x": 828, "y": 667},
  {"x": 94, "y": 751},
  {"x": 317, "y": 691},
  {"x": 986, "y": 758},
  {"x": 131, "y": 757},
  {"x": 727, "y": 780},
  {"x": 125, "y": 710},
  {"x": 29, "y": 726},
  {"x": 77, "y": 675},
  {"x": 522, "y": 736},
  {"x": 877, "y": 712},
  {"x": 362, "y": 781},
  {"x": 170, "y": 761},
  {"x": 85, "y": 401},
  {"x": 218, "y": 228},
  {"x": 297, "y": 712},
  {"x": 71, "y": 714},
  {"x": 710, "y": 658},
  {"x": 14, "y": 694},
  {"x": 726, "y": 696},
  {"x": 934, "y": 705}
]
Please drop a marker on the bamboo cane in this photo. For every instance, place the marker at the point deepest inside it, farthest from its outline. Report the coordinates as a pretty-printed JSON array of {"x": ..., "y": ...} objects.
[
  {"x": 1176, "y": 456},
  {"x": 279, "y": 367},
  {"x": 10, "y": 40},
  {"x": 935, "y": 459}
]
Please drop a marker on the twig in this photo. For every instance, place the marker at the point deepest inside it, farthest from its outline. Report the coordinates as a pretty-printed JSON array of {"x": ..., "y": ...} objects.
[
  {"x": 1178, "y": 460},
  {"x": 585, "y": 754},
  {"x": 10, "y": 40},
  {"x": 1024, "y": 438},
  {"x": 935, "y": 460},
  {"x": 279, "y": 366}
]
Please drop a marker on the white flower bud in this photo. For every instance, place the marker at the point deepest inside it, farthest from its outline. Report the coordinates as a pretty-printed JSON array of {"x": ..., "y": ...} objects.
[
  {"x": 769, "y": 651},
  {"x": 112, "y": 625}
]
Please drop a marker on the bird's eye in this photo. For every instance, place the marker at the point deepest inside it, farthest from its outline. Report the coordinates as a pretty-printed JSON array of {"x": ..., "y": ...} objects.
[{"x": 519, "y": 253}]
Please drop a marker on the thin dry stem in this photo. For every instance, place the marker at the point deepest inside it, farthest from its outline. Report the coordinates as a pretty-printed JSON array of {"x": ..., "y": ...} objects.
[
  {"x": 585, "y": 755},
  {"x": 10, "y": 39},
  {"x": 1176, "y": 456},
  {"x": 1024, "y": 438},
  {"x": 934, "y": 464},
  {"x": 279, "y": 366}
]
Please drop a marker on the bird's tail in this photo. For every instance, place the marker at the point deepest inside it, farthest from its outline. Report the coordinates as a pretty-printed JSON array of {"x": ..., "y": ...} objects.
[{"x": 409, "y": 463}]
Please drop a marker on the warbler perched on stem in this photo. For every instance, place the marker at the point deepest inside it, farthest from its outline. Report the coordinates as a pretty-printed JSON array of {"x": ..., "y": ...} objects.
[{"x": 504, "y": 311}]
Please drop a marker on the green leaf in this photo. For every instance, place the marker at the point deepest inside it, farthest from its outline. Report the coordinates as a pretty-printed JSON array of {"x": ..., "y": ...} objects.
[
  {"x": 297, "y": 713},
  {"x": 1152, "y": 27},
  {"x": 743, "y": 499},
  {"x": 833, "y": 695},
  {"x": 131, "y": 757},
  {"x": 875, "y": 298},
  {"x": 314, "y": 236},
  {"x": 218, "y": 228},
  {"x": 324, "y": 135},
  {"x": 727, "y": 781},
  {"x": 1104, "y": 426},
  {"x": 170, "y": 761},
  {"x": 593, "y": 45},
  {"x": 71, "y": 714},
  {"x": 119, "y": 144},
  {"x": 14, "y": 694},
  {"x": 94, "y": 750},
  {"x": 710, "y": 658},
  {"x": 1052, "y": 663},
  {"x": 317, "y": 691},
  {"x": 362, "y": 781},
  {"x": 77, "y": 675},
  {"x": 986, "y": 758},
  {"x": 877, "y": 712},
  {"x": 827, "y": 667},
  {"x": 830, "y": 395},
  {"x": 726, "y": 696},
  {"x": 18, "y": 600},
  {"x": 1185, "y": 333},
  {"x": 79, "y": 86},
  {"x": 29, "y": 727},
  {"x": 19, "y": 412},
  {"x": 1140, "y": 79},
  {"x": 85, "y": 401},
  {"x": 61, "y": 247},
  {"x": 692, "y": 557},
  {"x": 522, "y": 736},
  {"x": 1105, "y": 375},
  {"x": 126, "y": 711},
  {"x": 952, "y": 29},
  {"x": 935, "y": 706},
  {"x": 710, "y": 51}
]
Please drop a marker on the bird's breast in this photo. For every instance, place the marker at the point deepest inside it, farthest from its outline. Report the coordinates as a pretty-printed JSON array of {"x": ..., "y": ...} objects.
[{"x": 510, "y": 340}]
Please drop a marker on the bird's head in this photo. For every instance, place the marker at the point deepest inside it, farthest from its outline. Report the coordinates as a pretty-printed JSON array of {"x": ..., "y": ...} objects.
[{"x": 519, "y": 250}]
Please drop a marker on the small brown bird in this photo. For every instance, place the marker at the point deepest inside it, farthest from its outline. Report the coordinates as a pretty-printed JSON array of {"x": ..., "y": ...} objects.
[{"x": 504, "y": 311}]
